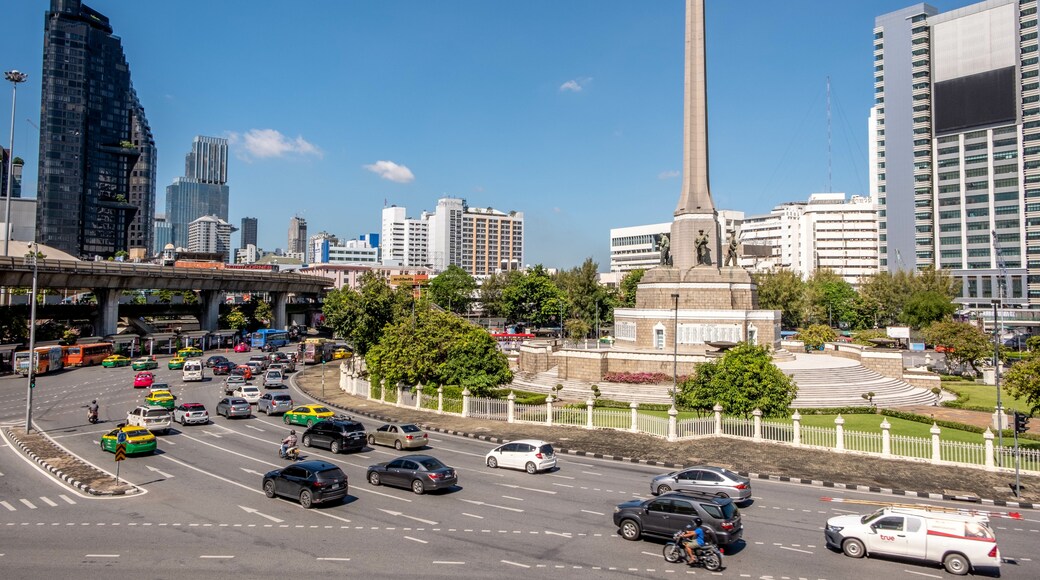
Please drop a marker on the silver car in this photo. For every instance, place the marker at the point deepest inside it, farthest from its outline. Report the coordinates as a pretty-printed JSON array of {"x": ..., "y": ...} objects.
[
  {"x": 704, "y": 478},
  {"x": 234, "y": 407},
  {"x": 233, "y": 382},
  {"x": 274, "y": 403},
  {"x": 273, "y": 379}
]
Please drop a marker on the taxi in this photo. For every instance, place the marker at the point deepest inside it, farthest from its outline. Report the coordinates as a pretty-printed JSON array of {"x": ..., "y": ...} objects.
[
  {"x": 138, "y": 440},
  {"x": 144, "y": 363},
  {"x": 190, "y": 352},
  {"x": 307, "y": 415},
  {"x": 176, "y": 363},
  {"x": 116, "y": 360},
  {"x": 341, "y": 353},
  {"x": 160, "y": 398},
  {"x": 143, "y": 379},
  {"x": 243, "y": 370}
]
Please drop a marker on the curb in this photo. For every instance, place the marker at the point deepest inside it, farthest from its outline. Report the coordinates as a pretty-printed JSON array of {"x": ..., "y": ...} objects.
[
  {"x": 68, "y": 479},
  {"x": 752, "y": 475}
]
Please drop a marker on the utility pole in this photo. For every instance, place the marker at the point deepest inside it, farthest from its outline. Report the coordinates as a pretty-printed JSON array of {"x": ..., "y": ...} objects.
[{"x": 1002, "y": 294}]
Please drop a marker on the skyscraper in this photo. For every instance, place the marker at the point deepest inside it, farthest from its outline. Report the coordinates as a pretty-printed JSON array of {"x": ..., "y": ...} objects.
[
  {"x": 142, "y": 181},
  {"x": 210, "y": 234},
  {"x": 202, "y": 191},
  {"x": 16, "y": 187},
  {"x": 297, "y": 236},
  {"x": 89, "y": 118},
  {"x": 248, "y": 235}
]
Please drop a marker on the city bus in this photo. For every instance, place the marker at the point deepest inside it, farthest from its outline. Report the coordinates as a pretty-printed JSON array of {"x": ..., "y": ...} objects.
[
  {"x": 317, "y": 350},
  {"x": 47, "y": 359},
  {"x": 269, "y": 339},
  {"x": 85, "y": 355}
]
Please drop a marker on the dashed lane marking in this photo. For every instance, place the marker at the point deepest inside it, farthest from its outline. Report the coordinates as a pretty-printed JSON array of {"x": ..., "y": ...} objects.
[
  {"x": 517, "y": 564},
  {"x": 215, "y": 557},
  {"x": 335, "y": 559},
  {"x": 922, "y": 574},
  {"x": 27, "y": 503},
  {"x": 101, "y": 555},
  {"x": 48, "y": 501},
  {"x": 416, "y": 540},
  {"x": 67, "y": 499},
  {"x": 472, "y": 515},
  {"x": 795, "y": 550},
  {"x": 448, "y": 563},
  {"x": 9, "y": 507},
  {"x": 513, "y": 498},
  {"x": 593, "y": 513}
]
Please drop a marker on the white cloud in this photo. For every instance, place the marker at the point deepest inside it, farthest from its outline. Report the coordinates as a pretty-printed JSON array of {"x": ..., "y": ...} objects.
[
  {"x": 575, "y": 85},
  {"x": 668, "y": 174},
  {"x": 266, "y": 143},
  {"x": 391, "y": 171}
]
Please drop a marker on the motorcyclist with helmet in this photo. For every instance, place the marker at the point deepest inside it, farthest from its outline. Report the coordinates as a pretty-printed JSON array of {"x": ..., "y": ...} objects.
[
  {"x": 694, "y": 533},
  {"x": 92, "y": 411},
  {"x": 288, "y": 443}
]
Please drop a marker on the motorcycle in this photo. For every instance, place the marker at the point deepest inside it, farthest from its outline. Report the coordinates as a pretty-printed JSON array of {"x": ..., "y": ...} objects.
[
  {"x": 708, "y": 556},
  {"x": 292, "y": 453},
  {"x": 92, "y": 416}
]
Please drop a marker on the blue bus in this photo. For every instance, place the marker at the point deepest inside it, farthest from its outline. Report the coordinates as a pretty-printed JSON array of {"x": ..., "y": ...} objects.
[{"x": 269, "y": 339}]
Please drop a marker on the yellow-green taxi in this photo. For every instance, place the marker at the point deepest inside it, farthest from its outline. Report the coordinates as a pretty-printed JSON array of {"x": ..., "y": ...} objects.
[
  {"x": 145, "y": 363},
  {"x": 307, "y": 415},
  {"x": 161, "y": 398},
  {"x": 138, "y": 440},
  {"x": 116, "y": 360},
  {"x": 190, "y": 352},
  {"x": 176, "y": 363}
]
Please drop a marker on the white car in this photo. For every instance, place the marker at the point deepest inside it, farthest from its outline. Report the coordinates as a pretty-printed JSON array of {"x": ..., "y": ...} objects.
[
  {"x": 248, "y": 392},
  {"x": 531, "y": 455},
  {"x": 151, "y": 417}
]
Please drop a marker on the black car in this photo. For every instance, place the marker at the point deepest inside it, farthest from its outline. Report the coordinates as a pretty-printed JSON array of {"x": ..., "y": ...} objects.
[
  {"x": 421, "y": 473},
  {"x": 336, "y": 435},
  {"x": 223, "y": 367},
  {"x": 312, "y": 482},
  {"x": 215, "y": 359},
  {"x": 670, "y": 512}
]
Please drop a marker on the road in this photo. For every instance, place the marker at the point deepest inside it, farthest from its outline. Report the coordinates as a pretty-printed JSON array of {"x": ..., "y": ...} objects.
[{"x": 203, "y": 511}]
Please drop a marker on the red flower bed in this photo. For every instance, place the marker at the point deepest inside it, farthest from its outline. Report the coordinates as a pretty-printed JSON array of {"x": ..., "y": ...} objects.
[{"x": 637, "y": 378}]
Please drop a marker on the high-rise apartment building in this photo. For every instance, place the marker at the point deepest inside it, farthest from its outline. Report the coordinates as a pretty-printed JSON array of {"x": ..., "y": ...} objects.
[
  {"x": 248, "y": 232},
  {"x": 481, "y": 241},
  {"x": 956, "y": 146},
  {"x": 162, "y": 234},
  {"x": 203, "y": 190},
  {"x": 404, "y": 240},
  {"x": 142, "y": 180},
  {"x": 210, "y": 234},
  {"x": 297, "y": 237},
  {"x": 92, "y": 135}
]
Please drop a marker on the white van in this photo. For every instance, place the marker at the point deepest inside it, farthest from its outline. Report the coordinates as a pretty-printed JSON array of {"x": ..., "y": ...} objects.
[
  {"x": 961, "y": 542},
  {"x": 193, "y": 370}
]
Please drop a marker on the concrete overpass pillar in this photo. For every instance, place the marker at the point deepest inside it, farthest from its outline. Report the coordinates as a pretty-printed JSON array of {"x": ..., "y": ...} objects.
[
  {"x": 280, "y": 299},
  {"x": 108, "y": 310},
  {"x": 210, "y": 309}
]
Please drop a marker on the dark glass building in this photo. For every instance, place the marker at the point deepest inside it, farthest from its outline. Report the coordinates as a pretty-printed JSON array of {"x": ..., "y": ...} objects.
[
  {"x": 248, "y": 232},
  {"x": 93, "y": 134},
  {"x": 202, "y": 191}
]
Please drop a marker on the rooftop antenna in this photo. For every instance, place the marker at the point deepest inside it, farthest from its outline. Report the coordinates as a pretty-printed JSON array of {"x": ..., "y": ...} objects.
[{"x": 829, "y": 190}]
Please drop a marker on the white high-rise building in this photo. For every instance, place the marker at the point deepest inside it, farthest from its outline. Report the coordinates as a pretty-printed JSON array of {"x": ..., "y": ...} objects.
[
  {"x": 248, "y": 255},
  {"x": 405, "y": 241},
  {"x": 210, "y": 234}
]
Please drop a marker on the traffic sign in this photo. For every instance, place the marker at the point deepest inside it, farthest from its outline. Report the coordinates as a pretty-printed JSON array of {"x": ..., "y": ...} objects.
[
  {"x": 120, "y": 452},
  {"x": 121, "y": 438}
]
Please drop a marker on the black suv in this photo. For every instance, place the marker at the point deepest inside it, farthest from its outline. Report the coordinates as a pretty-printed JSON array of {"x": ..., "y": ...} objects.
[
  {"x": 336, "y": 434},
  {"x": 670, "y": 512},
  {"x": 311, "y": 482}
]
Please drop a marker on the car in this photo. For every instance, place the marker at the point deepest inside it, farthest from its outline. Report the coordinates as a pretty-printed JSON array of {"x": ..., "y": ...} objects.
[
  {"x": 233, "y": 382},
  {"x": 311, "y": 482},
  {"x": 151, "y": 417},
  {"x": 144, "y": 363},
  {"x": 279, "y": 357},
  {"x": 274, "y": 403},
  {"x": 255, "y": 368},
  {"x": 242, "y": 347},
  {"x": 420, "y": 473},
  {"x": 942, "y": 348},
  {"x": 400, "y": 436},
  {"x": 191, "y": 414},
  {"x": 307, "y": 415},
  {"x": 190, "y": 352},
  {"x": 336, "y": 435},
  {"x": 215, "y": 359},
  {"x": 342, "y": 353},
  {"x": 223, "y": 367},
  {"x": 260, "y": 359},
  {"x": 116, "y": 360},
  {"x": 158, "y": 398},
  {"x": 158, "y": 387},
  {"x": 248, "y": 392},
  {"x": 531, "y": 455},
  {"x": 176, "y": 363},
  {"x": 143, "y": 379},
  {"x": 274, "y": 380},
  {"x": 234, "y": 407},
  {"x": 713, "y": 480},
  {"x": 138, "y": 440},
  {"x": 244, "y": 371},
  {"x": 673, "y": 511}
]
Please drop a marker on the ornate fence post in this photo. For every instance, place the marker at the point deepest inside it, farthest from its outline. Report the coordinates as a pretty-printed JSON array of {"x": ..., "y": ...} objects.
[
  {"x": 718, "y": 419},
  {"x": 757, "y": 416},
  {"x": 343, "y": 383},
  {"x": 796, "y": 436},
  {"x": 548, "y": 411},
  {"x": 672, "y": 412},
  {"x": 440, "y": 400},
  {"x": 400, "y": 394},
  {"x": 418, "y": 396},
  {"x": 465, "y": 403},
  {"x": 988, "y": 436},
  {"x": 589, "y": 405},
  {"x": 936, "y": 448},
  {"x": 886, "y": 438},
  {"x": 635, "y": 416},
  {"x": 511, "y": 407},
  {"x": 382, "y": 391},
  {"x": 839, "y": 426}
]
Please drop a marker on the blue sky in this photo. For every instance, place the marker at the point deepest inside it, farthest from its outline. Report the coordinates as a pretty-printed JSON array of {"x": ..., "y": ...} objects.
[{"x": 567, "y": 110}]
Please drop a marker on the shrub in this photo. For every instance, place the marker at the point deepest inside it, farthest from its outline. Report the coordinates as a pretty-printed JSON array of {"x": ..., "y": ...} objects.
[{"x": 637, "y": 378}]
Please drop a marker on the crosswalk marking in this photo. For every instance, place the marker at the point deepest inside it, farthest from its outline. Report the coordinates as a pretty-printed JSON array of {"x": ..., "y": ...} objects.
[
  {"x": 48, "y": 502},
  {"x": 9, "y": 507},
  {"x": 27, "y": 503},
  {"x": 67, "y": 499}
]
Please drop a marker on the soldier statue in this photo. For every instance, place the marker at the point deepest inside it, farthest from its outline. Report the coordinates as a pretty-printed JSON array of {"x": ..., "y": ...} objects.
[
  {"x": 664, "y": 246},
  {"x": 732, "y": 246},
  {"x": 703, "y": 254}
]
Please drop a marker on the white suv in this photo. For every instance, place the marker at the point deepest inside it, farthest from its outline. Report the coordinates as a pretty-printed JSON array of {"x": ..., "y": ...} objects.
[
  {"x": 531, "y": 455},
  {"x": 151, "y": 417}
]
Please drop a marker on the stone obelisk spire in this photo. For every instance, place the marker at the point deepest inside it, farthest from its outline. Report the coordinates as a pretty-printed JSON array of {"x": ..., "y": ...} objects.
[{"x": 695, "y": 215}]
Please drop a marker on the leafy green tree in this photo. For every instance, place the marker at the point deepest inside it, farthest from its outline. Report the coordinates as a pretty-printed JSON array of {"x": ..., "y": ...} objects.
[
  {"x": 235, "y": 319},
  {"x": 816, "y": 335},
  {"x": 164, "y": 296},
  {"x": 263, "y": 315},
  {"x": 532, "y": 297},
  {"x": 452, "y": 289},
  {"x": 782, "y": 290},
  {"x": 926, "y": 307},
  {"x": 1033, "y": 343},
  {"x": 830, "y": 299},
  {"x": 590, "y": 302},
  {"x": 360, "y": 315},
  {"x": 881, "y": 299},
  {"x": 967, "y": 344},
  {"x": 743, "y": 380},
  {"x": 491, "y": 302},
  {"x": 190, "y": 297},
  {"x": 628, "y": 286},
  {"x": 577, "y": 329},
  {"x": 1022, "y": 381},
  {"x": 13, "y": 326}
]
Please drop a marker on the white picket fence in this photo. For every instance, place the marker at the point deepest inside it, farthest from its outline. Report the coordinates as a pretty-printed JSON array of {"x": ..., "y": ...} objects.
[{"x": 882, "y": 444}]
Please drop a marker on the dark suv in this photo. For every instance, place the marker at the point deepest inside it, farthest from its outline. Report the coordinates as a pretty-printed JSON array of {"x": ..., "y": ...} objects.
[
  {"x": 670, "y": 512},
  {"x": 311, "y": 482},
  {"x": 336, "y": 434}
]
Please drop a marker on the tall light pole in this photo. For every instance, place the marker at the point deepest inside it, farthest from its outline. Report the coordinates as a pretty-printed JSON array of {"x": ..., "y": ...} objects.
[
  {"x": 15, "y": 77},
  {"x": 675, "y": 350},
  {"x": 996, "y": 380},
  {"x": 33, "y": 255}
]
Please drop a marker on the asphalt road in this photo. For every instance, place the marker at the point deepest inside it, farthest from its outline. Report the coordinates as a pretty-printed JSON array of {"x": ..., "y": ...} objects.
[{"x": 203, "y": 511}]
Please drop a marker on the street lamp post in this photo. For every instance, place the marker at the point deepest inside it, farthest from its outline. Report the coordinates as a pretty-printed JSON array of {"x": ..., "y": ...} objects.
[
  {"x": 15, "y": 77},
  {"x": 675, "y": 350},
  {"x": 34, "y": 253},
  {"x": 996, "y": 380}
]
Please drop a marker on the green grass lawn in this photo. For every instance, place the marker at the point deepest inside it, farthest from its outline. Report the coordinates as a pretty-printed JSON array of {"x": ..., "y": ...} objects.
[{"x": 977, "y": 395}]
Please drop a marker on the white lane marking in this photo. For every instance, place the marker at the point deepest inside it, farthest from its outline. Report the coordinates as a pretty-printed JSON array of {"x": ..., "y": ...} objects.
[
  {"x": 67, "y": 499},
  {"x": 449, "y": 563},
  {"x": 335, "y": 559},
  {"x": 563, "y": 485},
  {"x": 593, "y": 513},
  {"x": 27, "y": 503},
  {"x": 526, "y": 488},
  {"x": 592, "y": 473},
  {"x": 328, "y": 515},
  {"x": 226, "y": 450},
  {"x": 582, "y": 464},
  {"x": 213, "y": 475},
  {"x": 473, "y": 516},
  {"x": 651, "y": 554},
  {"x": 795, "y": 550},
  {"x": 254, "y": 472},
  {"x": 563, "y": 535},
  {"x": 560, "y": 476},
  {"x": 9, "y": 507},
  {"x": 399, "y": 514},
  {"x": 922, "y": 574},
  {"x": 162, "y": 473},
  {"x": 250, "y": 510},
  {"x": 366, "y": 490},
  {"x": 416, "y": 540},
  {"x": 101, "y": 556},
  {"x": 256, "y": 428},
  {"x": 514, "y": 564},
  {"x": 513, "y": 498},
  {"x": 48, "y": 501},
  {"x": 843, "y": 511},
  {"x": 475, "y": 502},
  {"x": 215, "y": 557}
]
